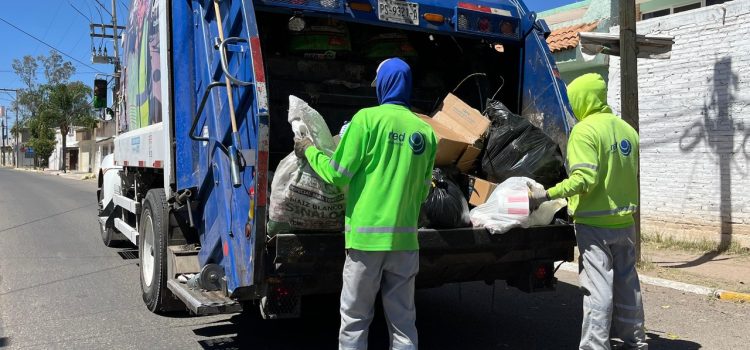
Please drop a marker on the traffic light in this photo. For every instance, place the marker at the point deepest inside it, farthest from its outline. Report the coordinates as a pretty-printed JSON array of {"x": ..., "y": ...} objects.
[{"x": 100, "y": 93}]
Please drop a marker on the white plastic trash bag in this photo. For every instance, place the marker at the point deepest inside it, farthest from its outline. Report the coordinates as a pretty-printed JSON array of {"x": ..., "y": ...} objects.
[
  {"x": 508, "y": 207},
  {"x": 300, "y": 199},
  {"x": 546, "y": 212}
]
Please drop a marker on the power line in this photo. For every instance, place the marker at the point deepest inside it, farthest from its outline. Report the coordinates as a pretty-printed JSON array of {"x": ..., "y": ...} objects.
[
  {"x": 48, "y": 45},
  {"x": 127, "y": 9},
  {"x": 81, "y": 13},
  {"x": 44, "y": 36},
  {"x": 101, "y": 20},
  {"x": 104, "y": 8}
]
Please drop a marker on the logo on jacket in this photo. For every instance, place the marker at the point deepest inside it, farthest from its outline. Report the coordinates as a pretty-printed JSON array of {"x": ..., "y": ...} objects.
[
  {"x": 626, "y": 148},
  {"x": 417, "y": 144}
]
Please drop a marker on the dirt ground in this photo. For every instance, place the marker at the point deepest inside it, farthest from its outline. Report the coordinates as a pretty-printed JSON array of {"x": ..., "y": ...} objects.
[{"x": 721, "y": 271}]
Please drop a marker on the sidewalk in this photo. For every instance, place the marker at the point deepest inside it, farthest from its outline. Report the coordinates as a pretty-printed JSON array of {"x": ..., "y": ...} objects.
[
  {"x": 73, "y": 175},
  {"x": 717, "y": 271}
]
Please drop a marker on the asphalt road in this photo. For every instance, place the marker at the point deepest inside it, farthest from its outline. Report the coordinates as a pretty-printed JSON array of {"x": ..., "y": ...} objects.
[{"x": 61, "y": 288}]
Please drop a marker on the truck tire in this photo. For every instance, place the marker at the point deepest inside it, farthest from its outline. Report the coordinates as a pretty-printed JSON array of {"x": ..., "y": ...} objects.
[
  {"x": 109, "y": 235},
  {"x": 152, "y": 251}
]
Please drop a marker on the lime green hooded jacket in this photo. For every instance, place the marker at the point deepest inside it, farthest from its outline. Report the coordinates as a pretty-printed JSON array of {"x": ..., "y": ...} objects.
[
  {"x": 386, "y": 157},
  {"x": 602, "y": 158}
]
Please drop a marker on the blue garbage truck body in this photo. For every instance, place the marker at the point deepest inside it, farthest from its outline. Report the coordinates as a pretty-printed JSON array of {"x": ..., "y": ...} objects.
[{"x": 202, "y": 120}]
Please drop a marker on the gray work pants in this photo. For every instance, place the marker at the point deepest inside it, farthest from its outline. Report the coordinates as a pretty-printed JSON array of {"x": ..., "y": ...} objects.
[
  {"x": 364, "y": 274},
  {"x": 612, "y": 292}
]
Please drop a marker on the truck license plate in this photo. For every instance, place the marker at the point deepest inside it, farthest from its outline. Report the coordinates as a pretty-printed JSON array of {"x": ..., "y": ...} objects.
[{"x": 398, "y": 11}]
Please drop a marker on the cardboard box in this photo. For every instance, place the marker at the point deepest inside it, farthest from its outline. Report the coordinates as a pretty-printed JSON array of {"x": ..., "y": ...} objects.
[
  {"x": 450, "y": 147},
  {"x": 458, "y": 128},
  {"x": 480, "y": 190}
]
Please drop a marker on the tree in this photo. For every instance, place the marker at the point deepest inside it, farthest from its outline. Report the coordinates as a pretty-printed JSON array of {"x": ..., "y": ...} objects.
[
  {"x": 26, "y": 68},
  {"x": 35, "y": 98},
  {"x": 42, "y": 139},
  {"x": 67, "y": 105},
  {"x": 56, "y": 70}
]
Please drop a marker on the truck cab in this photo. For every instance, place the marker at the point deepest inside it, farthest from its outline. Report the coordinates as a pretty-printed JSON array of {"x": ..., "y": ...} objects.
[{"x": 203, "y": 120}]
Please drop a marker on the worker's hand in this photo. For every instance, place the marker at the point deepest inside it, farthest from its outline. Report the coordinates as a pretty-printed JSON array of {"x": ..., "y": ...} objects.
[
  {"x": 300, "y": 146},
  {"x": 537, "y": 196}
]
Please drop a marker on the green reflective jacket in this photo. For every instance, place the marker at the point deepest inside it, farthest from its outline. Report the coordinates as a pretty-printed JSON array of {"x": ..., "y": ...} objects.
[
  {"x": 385, "y": 157},
  {"x": 602, "y": 158}
]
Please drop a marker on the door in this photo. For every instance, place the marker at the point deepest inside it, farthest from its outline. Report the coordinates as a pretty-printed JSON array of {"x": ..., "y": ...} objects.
[{"x": 72, "y": 159}]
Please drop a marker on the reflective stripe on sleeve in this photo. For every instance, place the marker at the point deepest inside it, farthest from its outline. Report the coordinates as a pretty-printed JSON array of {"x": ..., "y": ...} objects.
[
  {"x": 341, "y": 170},
  {"x": 584, "y": 166},
  {"x": 621, "y": 210},
  {"x": 386, "y": 230}
]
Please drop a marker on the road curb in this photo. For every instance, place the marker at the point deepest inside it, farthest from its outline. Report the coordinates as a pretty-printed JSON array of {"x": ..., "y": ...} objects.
[
  {"x": 732, "y": 296},
  {"x": 70, "y": 176},
  {"x": 680, "y": 286}
]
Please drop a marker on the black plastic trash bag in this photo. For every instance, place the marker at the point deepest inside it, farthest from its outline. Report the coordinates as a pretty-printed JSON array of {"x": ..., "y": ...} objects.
[
  {"x": 446, "y": 206},
  {"x": 515, "y": 148}
]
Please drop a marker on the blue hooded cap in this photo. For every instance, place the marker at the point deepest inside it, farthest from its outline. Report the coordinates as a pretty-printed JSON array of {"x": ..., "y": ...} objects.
[{"x": 393, "y": 82}]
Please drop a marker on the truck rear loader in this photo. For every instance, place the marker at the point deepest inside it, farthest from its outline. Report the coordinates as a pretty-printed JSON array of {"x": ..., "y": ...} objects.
[{"x": 202, "y": 125}]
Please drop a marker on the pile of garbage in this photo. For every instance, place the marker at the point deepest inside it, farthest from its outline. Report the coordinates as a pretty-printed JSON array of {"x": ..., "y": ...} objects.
[
  {"x": 300, "y": 200},
  {"x": 494, "y": 159},
  {"x": 486, "y": 165}
]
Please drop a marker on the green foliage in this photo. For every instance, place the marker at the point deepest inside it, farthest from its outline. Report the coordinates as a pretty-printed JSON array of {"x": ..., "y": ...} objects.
[
  {"x": 42, "y": 138},
  {"x": 55, "y": 103},
  {"x": 68, "y": 105},
  {"x": 25, "y": 69},
  {"x": 56, "y": 70}
]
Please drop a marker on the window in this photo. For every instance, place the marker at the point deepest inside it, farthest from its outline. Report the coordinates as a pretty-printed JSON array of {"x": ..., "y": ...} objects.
[
  {"x": 681, "y": 8},
  {"x": 694, "y": 6},
  {"x": 660, "y": 13}
]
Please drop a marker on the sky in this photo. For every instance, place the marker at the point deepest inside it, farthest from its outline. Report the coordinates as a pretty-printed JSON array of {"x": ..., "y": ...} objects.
[
  {"x": 58, "y": 24},
  {"x": 542, "y": 5}
]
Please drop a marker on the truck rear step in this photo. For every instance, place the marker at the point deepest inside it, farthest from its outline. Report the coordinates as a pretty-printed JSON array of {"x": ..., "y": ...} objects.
[
  {"x": 127, "y": 230},
  {"x": 203, "y": 302}
]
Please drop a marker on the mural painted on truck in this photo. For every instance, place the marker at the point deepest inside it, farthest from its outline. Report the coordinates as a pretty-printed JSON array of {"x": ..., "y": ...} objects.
[{"x": 141, "y": 73}]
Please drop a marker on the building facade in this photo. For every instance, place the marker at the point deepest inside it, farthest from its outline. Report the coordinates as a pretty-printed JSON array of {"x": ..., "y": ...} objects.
[{"x": 695, "y": 124}]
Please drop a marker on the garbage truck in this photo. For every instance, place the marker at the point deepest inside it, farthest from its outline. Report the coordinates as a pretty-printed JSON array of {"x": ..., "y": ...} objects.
[{"x": 202, "y": 125}]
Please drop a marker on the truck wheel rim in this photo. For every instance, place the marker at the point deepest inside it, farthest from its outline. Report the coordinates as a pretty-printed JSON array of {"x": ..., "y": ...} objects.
[{"x": 147, "y": 265}]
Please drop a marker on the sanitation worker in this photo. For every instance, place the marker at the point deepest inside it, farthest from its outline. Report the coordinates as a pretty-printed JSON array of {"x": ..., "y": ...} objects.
[
  {"x": 386, "y": 157},
  {"x": 602, "y": 192}
]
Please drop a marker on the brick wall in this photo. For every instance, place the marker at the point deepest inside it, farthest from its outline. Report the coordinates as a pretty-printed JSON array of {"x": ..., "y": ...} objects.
[{"x": 695, "y": 125}]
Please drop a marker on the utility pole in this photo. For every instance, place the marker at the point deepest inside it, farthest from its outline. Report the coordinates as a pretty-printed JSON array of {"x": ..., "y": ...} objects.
[
  {"x": 15, "y": 153},
  {"x": 629, "y": 88},
  {"x": 108, "y": 31},
  {"x": 2, "y": 132}
]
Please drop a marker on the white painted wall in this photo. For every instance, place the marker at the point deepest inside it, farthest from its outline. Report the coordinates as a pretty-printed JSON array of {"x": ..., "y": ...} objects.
[
  {"x": 55, "y": 157},
  {"x": 695, "y": 124}
]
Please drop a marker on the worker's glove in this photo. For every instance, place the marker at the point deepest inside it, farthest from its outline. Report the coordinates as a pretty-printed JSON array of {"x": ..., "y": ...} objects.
[
  {"x": 301, "y": 145},
  {"x": 537, "y": 196}
]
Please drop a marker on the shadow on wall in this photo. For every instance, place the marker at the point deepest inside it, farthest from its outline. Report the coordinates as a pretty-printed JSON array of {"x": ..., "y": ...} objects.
[{"x": 717, "y": 129}]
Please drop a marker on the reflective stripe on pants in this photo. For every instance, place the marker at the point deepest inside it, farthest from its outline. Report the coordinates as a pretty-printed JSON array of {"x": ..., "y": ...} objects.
[
  {"x": 612, "y": 292},
  {"x": 364, "y": 274}
]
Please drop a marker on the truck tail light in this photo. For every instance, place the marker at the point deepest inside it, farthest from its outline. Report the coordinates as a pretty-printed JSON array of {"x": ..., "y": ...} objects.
[
  {"x": 360, "y": 6},
  {"x": 434, "y": 17},
  {"x": 541, "y": 272},
  {"x": 463, "y": 22}
]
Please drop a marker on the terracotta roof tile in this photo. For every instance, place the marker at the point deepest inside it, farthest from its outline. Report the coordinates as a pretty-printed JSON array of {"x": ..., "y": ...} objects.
[{"x": 567, "y": 38}]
